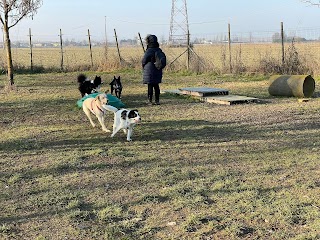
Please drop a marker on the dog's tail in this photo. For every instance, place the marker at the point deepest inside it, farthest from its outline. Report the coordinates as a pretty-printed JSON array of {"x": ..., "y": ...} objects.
[
  {"x": 110, "y": 108},
  {"x": 81, "y": 78}
]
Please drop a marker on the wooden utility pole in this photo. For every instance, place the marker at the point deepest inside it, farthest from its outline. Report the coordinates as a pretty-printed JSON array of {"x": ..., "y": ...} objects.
[
  {"x": 61, "y": 48},
  {"x": 282, "y": 43},
  {"x": 90, "y": 48},
  {"x": 106, "y": 39},
  {"x": 229, "y": 43},
  {"x": 30, "y": 43}
]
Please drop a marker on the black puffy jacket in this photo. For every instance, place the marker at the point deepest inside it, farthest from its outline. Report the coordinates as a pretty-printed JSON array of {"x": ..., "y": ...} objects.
[{"x": 150, "y": 73}]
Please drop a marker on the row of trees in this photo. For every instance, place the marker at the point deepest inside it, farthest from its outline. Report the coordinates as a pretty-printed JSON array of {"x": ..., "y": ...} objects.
[
  {"x": 277, "y": 38},
  {"x": 13, "y": 11}
]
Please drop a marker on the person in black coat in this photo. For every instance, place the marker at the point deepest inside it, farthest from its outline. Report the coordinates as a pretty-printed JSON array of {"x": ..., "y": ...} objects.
[{"x": 151, "y": 75}]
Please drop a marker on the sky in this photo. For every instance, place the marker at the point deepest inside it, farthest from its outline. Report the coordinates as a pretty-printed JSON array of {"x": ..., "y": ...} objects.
[{"x": 130, "y": 17}]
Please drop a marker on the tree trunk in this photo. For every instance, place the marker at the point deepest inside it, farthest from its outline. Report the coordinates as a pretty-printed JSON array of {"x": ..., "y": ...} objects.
[{"x": 9, "y": 56}]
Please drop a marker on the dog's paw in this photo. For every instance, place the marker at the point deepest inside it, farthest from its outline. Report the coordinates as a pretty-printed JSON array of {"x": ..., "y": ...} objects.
[{"x": 106, "y": 130}]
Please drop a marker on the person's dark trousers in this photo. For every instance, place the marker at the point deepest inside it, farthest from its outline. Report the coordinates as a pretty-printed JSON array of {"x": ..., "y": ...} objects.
[{"x": 156, "y": 88}]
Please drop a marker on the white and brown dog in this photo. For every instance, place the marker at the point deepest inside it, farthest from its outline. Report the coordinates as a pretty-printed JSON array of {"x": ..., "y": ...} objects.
[
  {"x": 125, "y": 119},
  {"x": 97, "y": 106}
]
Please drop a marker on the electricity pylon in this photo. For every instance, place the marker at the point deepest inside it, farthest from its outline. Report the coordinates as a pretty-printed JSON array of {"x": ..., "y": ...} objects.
[{"x": 179, "y": 26}]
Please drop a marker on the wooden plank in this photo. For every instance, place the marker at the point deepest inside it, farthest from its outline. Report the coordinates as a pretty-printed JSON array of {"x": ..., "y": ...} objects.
[
  {"x": 229, "y": 99},
  {"x": 203, "y": 91},
  {"x": 173, "y": 91}
]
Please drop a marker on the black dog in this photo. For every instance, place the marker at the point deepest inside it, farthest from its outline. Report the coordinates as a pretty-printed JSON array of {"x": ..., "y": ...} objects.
[
  {"x": 116, "y": 86},
  {"x": 87, "y": 86}
]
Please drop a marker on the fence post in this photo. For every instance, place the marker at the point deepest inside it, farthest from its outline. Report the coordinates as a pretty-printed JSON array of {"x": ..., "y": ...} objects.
[
  {"x": 30, "y": 43},
  {"x": 90, "y": 48},
  {"x": 188, "y": 51},
  {"x": 141, "y": 42},
  {"x": 282, "y": 43},
  {"x": 229, "y": 43},
  {"x": 61, "y": 48},
  {"x": 115, "y": 35}
]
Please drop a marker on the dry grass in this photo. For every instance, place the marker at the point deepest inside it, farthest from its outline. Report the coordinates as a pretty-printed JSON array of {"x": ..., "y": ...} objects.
[
  {"x": 207, "y": 58},
  {"x": 193, "y": 170}
]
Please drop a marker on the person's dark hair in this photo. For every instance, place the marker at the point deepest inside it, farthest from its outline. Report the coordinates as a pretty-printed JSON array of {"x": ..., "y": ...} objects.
[{"x": 152, "y": 40}]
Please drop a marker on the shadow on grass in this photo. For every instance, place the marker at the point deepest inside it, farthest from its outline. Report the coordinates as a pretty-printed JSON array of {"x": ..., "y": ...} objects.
[
  {"x": 167, "y": 130},
  {"x": 183, "y": 131}
]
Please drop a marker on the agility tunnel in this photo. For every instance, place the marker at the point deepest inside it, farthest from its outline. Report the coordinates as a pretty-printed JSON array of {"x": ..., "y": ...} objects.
[{"x": 301, "y": 86}]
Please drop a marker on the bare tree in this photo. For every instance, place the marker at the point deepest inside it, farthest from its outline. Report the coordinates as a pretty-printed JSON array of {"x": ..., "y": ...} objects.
[
  {"x": 11, "y": 12},
  {"x": 312, "y": 2}
]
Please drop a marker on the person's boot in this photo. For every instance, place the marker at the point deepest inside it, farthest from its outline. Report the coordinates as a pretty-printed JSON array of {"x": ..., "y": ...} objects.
[{"x": 149, "y": 102}]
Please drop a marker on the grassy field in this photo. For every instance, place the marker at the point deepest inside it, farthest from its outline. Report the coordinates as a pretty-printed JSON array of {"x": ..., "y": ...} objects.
[{"x": 193, "y": 170}]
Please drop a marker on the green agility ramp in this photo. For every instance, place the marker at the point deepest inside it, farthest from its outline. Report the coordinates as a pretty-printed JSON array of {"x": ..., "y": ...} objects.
[{"x": 112, "y": 100}]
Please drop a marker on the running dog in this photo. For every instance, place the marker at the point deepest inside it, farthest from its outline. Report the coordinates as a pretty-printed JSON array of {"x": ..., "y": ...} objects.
[
  {"x": 126, "y": 120},
  {"x": 98, "y": 107},
  {"x": 116, "y": 86},
  {"x": 87, "y": 86}
]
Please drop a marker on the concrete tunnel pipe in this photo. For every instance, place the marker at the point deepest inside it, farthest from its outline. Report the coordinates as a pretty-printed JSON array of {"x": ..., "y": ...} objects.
[{"x": 301, "y": 86}]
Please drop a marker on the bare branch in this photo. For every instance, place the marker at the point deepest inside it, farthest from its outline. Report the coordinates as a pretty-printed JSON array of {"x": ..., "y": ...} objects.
[
  {"x": 312, "y": 2},
  {"x": 12, "y": 11}
]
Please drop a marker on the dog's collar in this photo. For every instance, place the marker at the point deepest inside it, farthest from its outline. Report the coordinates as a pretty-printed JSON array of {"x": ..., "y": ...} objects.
[{"x": 96, "y": 106}]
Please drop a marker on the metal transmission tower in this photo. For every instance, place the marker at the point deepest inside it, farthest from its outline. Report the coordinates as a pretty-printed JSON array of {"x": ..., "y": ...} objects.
[{"x": 179, "y": 26}]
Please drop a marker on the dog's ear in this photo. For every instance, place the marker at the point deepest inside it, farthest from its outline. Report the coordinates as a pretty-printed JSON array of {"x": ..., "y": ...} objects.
[
  {"x": 99, "y": 97},
  {"x": 133, "y": 113},
  {"x": 124, "y": 114}
]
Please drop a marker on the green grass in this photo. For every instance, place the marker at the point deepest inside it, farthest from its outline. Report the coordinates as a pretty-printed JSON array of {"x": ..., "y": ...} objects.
[{"x": 193, "y": 170}]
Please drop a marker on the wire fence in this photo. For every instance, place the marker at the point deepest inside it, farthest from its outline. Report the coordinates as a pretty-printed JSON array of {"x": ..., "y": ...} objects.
[{"x": 220, "y": 52}]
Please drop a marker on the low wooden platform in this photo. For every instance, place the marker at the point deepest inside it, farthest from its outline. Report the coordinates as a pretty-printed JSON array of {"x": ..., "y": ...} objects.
[
  {"x": 229, "y": 99},
  {"x": 203, "y": 91},
  {"x": 213, "y": 95}
]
